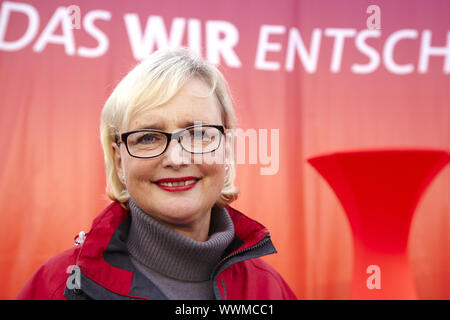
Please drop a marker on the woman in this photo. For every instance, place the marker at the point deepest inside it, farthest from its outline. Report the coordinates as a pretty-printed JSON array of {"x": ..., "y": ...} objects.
[{"x": 167, "y": 136}]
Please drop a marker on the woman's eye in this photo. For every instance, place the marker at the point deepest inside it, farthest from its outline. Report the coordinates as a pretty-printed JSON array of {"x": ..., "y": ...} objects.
[
  {"x": 147, "y": 138},
  {"x": 205, "y": 134},
  {"x": 200, "y": 134}
]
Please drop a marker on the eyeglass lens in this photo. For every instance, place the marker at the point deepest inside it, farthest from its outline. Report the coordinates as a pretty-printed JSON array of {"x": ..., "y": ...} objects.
[{"x": 194, "y": 140}]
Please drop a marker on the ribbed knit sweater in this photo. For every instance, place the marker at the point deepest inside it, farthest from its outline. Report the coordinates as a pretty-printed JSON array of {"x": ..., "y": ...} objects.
[{"x": 180, "y": 266}]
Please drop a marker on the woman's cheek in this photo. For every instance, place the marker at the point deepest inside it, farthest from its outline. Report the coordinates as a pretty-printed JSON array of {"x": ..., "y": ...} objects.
[
  {"x": 215, "y": 158},
  {"x": 140, "y": 171}
]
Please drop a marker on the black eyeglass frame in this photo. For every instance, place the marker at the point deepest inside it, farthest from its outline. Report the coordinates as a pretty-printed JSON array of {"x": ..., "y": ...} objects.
[{"x": 170, "y": 136}]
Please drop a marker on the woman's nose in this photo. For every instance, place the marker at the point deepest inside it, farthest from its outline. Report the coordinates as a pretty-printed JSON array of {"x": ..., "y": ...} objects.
[{"x": 175, "y": 155}]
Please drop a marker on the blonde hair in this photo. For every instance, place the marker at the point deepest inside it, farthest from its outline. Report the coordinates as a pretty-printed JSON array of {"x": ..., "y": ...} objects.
[{"x": 151, "y": 83}]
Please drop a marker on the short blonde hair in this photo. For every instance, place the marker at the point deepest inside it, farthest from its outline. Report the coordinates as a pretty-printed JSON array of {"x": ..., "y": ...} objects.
[{"x": 151, "y": 83}]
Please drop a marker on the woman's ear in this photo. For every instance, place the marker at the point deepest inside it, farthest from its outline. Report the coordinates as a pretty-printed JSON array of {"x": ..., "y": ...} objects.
[{"x": 118, "y": 162}]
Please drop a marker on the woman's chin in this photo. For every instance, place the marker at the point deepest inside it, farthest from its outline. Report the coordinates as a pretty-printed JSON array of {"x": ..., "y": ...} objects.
[{"x": 179, "y": 213}]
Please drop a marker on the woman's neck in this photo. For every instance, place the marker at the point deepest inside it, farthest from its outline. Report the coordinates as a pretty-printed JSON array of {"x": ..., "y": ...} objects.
[{"x": 174, "y": 254}]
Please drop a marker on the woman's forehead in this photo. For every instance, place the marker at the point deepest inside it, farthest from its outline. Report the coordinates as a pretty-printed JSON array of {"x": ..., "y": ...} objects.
[
  {"x": 194, "y": 102},
  {"x": 167, "y": 117}
]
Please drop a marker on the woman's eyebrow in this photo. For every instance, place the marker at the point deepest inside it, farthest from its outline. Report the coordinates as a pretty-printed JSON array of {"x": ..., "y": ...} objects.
[
  {"x": 162, "y": 127},
  {"x": 150, "y": 126}
]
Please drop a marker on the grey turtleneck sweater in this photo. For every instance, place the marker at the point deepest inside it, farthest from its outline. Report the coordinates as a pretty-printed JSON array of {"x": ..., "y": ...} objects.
[{"x": 180, "y": 266}]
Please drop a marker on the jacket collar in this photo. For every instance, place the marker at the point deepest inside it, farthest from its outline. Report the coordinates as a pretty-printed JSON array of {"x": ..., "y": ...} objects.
[{"x": 104, "y": 263}]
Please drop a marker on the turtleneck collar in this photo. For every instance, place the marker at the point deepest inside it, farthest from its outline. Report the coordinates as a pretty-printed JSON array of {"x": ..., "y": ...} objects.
[{"x": 173, "y": 254}]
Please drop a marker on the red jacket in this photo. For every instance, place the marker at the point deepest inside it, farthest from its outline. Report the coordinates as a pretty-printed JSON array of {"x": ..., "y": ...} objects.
[{"x": 102, "y": 269}]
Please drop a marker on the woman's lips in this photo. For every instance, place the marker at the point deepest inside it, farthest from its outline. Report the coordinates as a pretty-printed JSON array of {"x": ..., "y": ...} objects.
[{"x": 177, "y": 184}]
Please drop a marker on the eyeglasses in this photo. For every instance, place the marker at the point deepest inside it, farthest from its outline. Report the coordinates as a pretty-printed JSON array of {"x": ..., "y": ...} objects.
[{"x": 150, "y": 143}]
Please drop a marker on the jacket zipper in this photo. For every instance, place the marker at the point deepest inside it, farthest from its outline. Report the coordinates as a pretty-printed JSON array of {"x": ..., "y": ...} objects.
[{"x": 221, "y": 262}]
